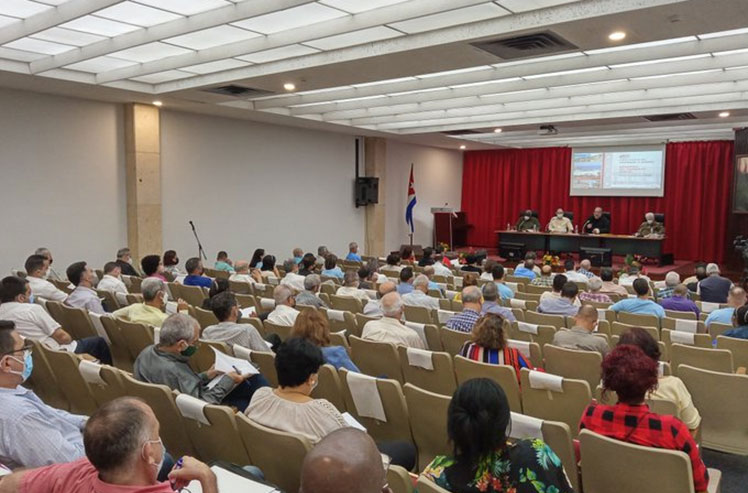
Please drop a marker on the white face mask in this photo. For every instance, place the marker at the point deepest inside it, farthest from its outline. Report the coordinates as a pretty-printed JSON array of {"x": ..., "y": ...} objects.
[
  {"x": 163, "y": 453},
  {"x": 527, "y": 218},
  {"x": 559, "y": 215},
  {"x": 166, "y": 297},
  {"x": 650, "y": 221}
]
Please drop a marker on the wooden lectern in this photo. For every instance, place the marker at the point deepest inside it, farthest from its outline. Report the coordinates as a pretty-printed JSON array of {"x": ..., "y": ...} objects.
[{"x": 450, "y": 227}]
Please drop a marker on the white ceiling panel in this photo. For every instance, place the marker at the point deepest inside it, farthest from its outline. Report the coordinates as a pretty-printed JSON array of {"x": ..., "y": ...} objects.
[
  {"x": 19, "y": 56},
  {"x": 97, "y": 25},
  {"x": 101, "y": 64},
  {"x": 139, "y": 15},
  {"x": 39, "y": 46},
  {"x": 149, "y": 52},
  {"x": 450, "y": 18},
  {"x": 284, "y": 20},
  {"x": 53, "y": 2},
  {"x": 357, "y": 6},
  {"x": 214, "y": 36},
  {"x": 354, "y": 38},
  {"x": 218, "y": 66},
  {"x": 5, "y": 21},
  {"x": 278, "y": 53},
  {"x": 526, "y": 5},
  {"x": 21, "y": 8},
  {"x": 165, "y": 76},
  {"x": 186, "y": 7},
  {"x": 68, "y": 36}
]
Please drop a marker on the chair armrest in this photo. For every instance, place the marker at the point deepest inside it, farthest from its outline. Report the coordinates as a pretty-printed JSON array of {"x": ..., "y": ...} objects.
[{"x": 715, "y": 481}]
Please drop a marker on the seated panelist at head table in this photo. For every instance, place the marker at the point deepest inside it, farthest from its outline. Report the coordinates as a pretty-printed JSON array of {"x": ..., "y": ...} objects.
[
  {"x": 527, "y": 222},
  {"x": 559, "y": 223},
  {"x": 650, "y": 228},
  {"x": 597, "y": 223}
]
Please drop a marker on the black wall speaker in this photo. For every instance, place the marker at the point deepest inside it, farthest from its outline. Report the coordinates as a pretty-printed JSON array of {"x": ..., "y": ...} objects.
[{"x": 367, "y": 190}]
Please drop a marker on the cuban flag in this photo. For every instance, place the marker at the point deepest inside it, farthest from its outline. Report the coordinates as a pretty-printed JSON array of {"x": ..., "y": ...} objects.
[{"x": 411, "y": 201}]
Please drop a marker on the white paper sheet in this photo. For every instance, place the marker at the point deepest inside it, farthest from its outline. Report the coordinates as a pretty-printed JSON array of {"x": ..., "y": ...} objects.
[
  {"x": 522, "y": 346},
  {"x": 228, "y": 482},
  {"x": 526, "y": 427},
  {"x": 601, "y": 314},
  {"x": 679, "y": 337},
  {"x": 458, "y": 281},
  {"x": 691, "y": 326},
  {"x": 267, "y": 303},
  {"x": 226, "y": 364},
  {"x": 156, "y": 335},
  {"x": 248, "y": 312},
  {"x": 337, "y": 315},
  {"x": 352, "y": 422},
  {"x": 444, "y": 315},
  {"x": 366, "y": 396},
  {"x": 96, "y": 321},
  {"x": 90, "y": 372},
  {"x": 171, "y": 307},
  {"x": 546, "y": 381},
  {"x": 708, "y": 307},
  {"x": 517, "y": 303},
  {"x": 193, "y": 408},
  {"x": 528, "y": 328},
  {"x": 451, "y": 294},
  {"x": 420, "y": 358},
  {"x": 180, "y": 279},
  {"x": 420, "y": 329}
]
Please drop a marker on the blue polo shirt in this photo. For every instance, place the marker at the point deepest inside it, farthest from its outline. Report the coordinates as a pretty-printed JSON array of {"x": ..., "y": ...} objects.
[
  {"x": 524, "y": 272},
  {"x": 202, "y": 281},
  {"x": 638, "y": 306},
  {"x": 721, "y": 316},
  {"x": 505, "y": 291},
  {"x": 354, "y": 257}
]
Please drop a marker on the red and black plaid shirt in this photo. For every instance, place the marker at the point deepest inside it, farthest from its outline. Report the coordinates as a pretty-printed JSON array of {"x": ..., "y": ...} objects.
[{"x": 635, "y": 424}]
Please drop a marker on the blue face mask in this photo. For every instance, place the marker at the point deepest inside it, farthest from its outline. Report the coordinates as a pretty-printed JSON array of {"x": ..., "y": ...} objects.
[
  {"x": 28, "y": 366},
  {"x": 32, "y": 299}
]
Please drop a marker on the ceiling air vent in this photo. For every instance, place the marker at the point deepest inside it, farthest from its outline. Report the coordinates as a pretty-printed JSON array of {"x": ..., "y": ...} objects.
[
  {"x": 239, "y": 91},
  {"x": 527, "y": 45},
  {"x": 669, "y": 118},
  {"x": 462, "y": 132}
]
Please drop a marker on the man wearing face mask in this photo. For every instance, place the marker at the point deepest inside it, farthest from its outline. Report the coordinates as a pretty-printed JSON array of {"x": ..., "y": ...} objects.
[
  {"x": 124, "y": 260},
  {"x": 560, "y": 223},
  {"x": 581, "y": 335},
  {"x": 650, "y": 227},
  {"x": 49, "y": 273},
  {"x": 151, "y": 310},
  {"x": 36, "y": 272},
  {"x": 124, "y": 454},
  {"x": 167, "y": 363},
  {"x": 527, "y": 222}
]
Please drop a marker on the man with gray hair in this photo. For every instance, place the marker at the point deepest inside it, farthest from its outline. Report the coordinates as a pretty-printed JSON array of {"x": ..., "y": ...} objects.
[
  {"x": 491, "y": 302},
  {"x": 310, "y": 295},
  {"x": 353, "y": 255},
  {"x": 374, "y": 308},
  {"x": 715, "y": 288},
  {"x": 50, "y": 272},
  {"x": 650, "y": 228},
  {"x": 322, "y": 253},
  {"x": 167, "y": 363},
  {"x": 471, "y": 311},
  {"x": 419, "y": 296},
  {"x": 672, "y": 279},
  {"x": 124, "y": 260},
  {"x": 152, "y": 310},
  {"x": 123, "y": 453},
  {"x": 292, "y": 278},
  {"x": 389, "y": 328},
  {"x": 594, "y": 285},
  {"x": 584, "y": 269},
  {"x": 350, "y": 287},
  {"x": 242, "y": 273},
  {"x": 284, "y": 313}
]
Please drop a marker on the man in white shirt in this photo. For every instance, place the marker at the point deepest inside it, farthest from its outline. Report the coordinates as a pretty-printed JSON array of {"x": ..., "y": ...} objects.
[
  {"x": 292, "y": 278},
  {"x": 571, "y": 274},
  {"x": 419, "y": 296},
  {"x": 374, "y": 308},
  {"x": 36, "y": 272},
  {"x": 388, "y": 328},
  {"x": 111, "y": 280},
  {"x": 560, "y": 223},
  {"x": 33, "y": 322},
  {"x": 83, "y": 296},
  {"x": 242, "y": 273},
  {"x": 284, "y": 313},
  {"x": 633, "y": 275},
  {"x": 440, "y": 269},
  {"x": 350, "y": 287},
  {"x": 558, "y": 284}
]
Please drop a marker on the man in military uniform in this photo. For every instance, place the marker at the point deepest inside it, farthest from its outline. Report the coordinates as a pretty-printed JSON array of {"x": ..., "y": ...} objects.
[
  {"x": 560, "y": 223},
  {"x": 597, "y": 223},
  {"x": 650, "y": 227},
  {"x": 527, "y": 222}
]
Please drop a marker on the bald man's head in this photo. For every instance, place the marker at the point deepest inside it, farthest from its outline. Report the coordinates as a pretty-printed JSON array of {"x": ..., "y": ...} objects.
[
  {"x": 546, "y": 270},
  {"x": 386, "y": 287},
  {"x": 345, "y": 460},
  {"x": 737, "y": 297},
  {"x": 586, "y": 317}
]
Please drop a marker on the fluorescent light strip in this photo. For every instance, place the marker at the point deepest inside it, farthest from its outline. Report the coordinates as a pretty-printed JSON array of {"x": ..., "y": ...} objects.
[
  {"x": 661, "y": 60},
  {"x": 566, "y": 72},
  {"x": 381, "y": 82},
  {"x": 642, "y": 45},
  {"x": 454, "y": 72},
  {"x": 722, "y": 34}
]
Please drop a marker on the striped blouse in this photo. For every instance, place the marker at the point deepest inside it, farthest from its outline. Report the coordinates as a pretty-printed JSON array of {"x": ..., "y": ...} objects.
[{"x": 507, "y": 356}]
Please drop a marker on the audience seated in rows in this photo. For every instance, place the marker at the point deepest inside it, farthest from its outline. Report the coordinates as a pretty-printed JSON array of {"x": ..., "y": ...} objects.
[
  {"x": 672, "y": 279},
  {"x": 331, "y": 267},
  {"x": 735, "y": 300},
  {"x": 33, "y": 322},
  {"x": 610, "y": 287},
  {"x": 166, "y": 363},
  {"x": 292, "y": 278},
  {"x": 714, "y": 288},
  {"x": 228, "y": 329},
  {"x": 631, "y": 374},
  {"x": 669, "y": 387},
  {"x": 152, "y": 310},
  {"x": 312, "y": 326},
  {"x": 171, "y": 264},
  {"x": 310, "y": 295},
  {"x": 123, "y": 454},
  {"x": 561, "y": 305},
  {"x": 389, "y": 328},
  {"x": 374, "y": 308},
  {"x": 284, "y": 312},
  {"x": 350, "y": 287},
  {"x": 406, "y": 281},
  {"x": 153, "y": 267},
  {"x": 243, "y": 274},
  {"x": 559, "y": 280},
  {"x": 419, "y": 296},
  {"x": 641, "y": 304},
  {"x": 195, "y": 275},
  {"x": 740, "y": 322},
  {"x": 581, "y": 336},
  {"x": 124, "y": 260},
  {"x": 483, "y": 459},
  {"x": 111, "y": 280},
  {"x": 488, "y": 344},
  {"x": 36, "y": 273},
  {"x": 679, "y": 301},
  {"x": 491, "y": 304},
  {"x": 223, "y": 262},
  {"x": 84, "y": 295},
  {"x": 471, "y": 311},
  {"x": 353, "y": 255},
  {"x": 545, "y": 279},
  {"x": 594, "y": 285}
]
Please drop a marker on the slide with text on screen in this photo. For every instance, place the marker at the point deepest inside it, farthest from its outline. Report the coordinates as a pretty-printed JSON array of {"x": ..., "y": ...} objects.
[{"x": 618, "y": 171}]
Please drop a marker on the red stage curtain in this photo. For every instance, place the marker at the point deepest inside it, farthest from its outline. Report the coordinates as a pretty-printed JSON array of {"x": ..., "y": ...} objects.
[{"x": 496, "y": 185}]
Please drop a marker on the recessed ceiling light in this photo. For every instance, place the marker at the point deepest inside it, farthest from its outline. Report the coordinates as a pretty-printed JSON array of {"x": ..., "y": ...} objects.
[
  {"x": 497, "y": 130},
  {"x": 463, "y": 147},
  {"x": 157, "y": 103},
  {"x": 616, "y": 35},
  {"x": 289, "y": 86},
  {"x": 724, "y": 114}
]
